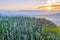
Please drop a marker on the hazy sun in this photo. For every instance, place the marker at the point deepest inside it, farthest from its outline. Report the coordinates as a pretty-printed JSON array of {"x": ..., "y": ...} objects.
[
  {"x": 49, "y": 8},
  {"x": 50, "y": 5}
]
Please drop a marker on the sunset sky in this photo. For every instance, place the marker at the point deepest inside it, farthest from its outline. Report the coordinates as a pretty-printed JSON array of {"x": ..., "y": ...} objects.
[{"x": 27, "y": 4}]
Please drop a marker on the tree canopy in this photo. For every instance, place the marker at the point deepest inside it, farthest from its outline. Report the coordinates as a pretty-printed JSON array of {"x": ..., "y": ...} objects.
[{"x": 27, "y": 28}]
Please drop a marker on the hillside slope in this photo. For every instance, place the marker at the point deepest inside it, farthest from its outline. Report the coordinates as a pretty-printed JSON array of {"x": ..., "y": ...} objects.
[{"x": 26, "y": 28}]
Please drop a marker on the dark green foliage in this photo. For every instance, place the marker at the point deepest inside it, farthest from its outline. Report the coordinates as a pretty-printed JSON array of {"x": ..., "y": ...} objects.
[{"x": 26, "y": 28}]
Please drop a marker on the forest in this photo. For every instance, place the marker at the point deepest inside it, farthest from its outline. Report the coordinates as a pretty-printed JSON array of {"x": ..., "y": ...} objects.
[{"x": 28, "y": 28}]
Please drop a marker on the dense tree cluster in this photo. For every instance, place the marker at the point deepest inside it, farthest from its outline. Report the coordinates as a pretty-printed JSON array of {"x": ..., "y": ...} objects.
[{"x": 27, "y": 28}]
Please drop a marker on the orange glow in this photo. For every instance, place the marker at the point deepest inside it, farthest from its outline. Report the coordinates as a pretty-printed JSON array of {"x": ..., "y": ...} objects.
[
  {"x": 52, "y": 7},
  {"x": 48, "y": 8}
]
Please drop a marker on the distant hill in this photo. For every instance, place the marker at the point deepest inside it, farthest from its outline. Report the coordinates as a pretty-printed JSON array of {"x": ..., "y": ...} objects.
[
  {"x": 0, "y": 14},
  {"x": 55, "y": 14},
  {"x": 26, "y": 28}
]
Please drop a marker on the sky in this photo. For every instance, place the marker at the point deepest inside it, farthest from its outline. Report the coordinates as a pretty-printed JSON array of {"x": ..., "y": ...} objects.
[
  {"x": 23, "y": 4},
  {"x": 31, "y": 5}
]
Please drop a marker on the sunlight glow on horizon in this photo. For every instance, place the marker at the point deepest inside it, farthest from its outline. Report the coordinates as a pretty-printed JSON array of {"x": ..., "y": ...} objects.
[
  {"x": 51, "y": 5},
  {"x": 28, "y": 4}
]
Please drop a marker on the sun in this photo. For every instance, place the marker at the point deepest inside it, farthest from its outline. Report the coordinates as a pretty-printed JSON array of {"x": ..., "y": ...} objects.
[
  {"x": 49, "y": 8},
  {"x": 49, "y": 3}
]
